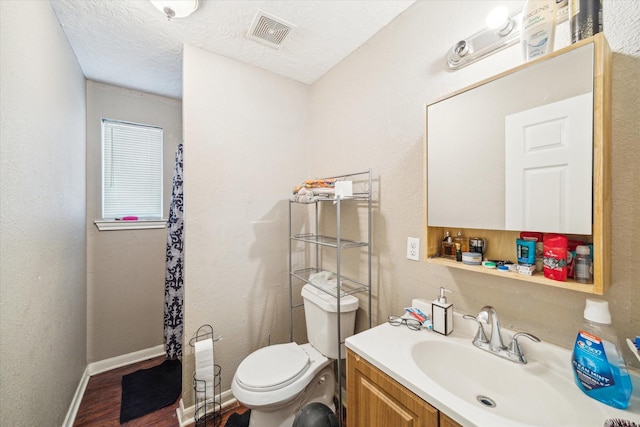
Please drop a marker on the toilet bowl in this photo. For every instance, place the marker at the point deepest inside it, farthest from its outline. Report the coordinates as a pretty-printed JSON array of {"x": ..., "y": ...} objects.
[{"x": 276, "y": 382}]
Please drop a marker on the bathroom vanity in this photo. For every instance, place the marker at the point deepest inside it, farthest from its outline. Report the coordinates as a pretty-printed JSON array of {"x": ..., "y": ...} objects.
[
  {"x": 400, "y": 377},
  {"x": 526, "y": 150}
]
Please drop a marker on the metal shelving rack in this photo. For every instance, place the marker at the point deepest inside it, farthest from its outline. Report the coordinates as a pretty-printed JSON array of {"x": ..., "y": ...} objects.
[{"x": 362, "y": 181}]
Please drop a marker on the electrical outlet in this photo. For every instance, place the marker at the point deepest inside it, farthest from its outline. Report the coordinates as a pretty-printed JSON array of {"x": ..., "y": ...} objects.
[{"x": 413, "y": 248}]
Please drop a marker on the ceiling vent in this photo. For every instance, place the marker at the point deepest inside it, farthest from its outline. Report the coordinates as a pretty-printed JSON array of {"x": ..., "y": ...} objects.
[{"x": 269, "y": 29}]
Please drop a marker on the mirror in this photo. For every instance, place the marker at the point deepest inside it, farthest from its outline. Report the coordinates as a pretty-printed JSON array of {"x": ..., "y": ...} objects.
[{"x": 481, "y": 142}]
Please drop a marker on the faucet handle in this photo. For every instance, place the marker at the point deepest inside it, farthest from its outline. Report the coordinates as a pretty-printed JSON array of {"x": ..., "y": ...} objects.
[
  {"x": 514, "y": 346},
  {"x": 480, "y": 337}
]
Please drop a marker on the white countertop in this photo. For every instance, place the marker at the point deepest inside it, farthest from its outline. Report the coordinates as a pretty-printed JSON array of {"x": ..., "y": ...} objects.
[{"x": 389, "y": 348}]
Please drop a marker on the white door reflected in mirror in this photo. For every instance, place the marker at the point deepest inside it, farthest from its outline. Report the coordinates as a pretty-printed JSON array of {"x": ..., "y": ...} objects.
[{"x": 548, "y": 158}]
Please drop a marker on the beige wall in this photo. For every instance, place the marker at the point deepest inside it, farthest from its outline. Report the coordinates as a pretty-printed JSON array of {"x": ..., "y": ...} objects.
[
  {"x": 42, "y": 213},
  {"x": 374, "y": 101},
  {"x": 125, "y": 268},
  {"x": 245, "y": 134}
]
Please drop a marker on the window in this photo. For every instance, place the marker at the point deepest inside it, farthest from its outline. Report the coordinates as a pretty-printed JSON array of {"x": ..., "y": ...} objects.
[{"x": 131, "y": 170}]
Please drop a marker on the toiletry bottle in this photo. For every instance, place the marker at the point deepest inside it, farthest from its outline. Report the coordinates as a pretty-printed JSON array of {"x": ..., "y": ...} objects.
[
  {"x": 448, "y": 249},
  {"x": 477, "y": 245},
  {"x": 442, "y": 314},
  {"x": 458, "y": 252},
  {"x": 598, "y": 364},
  {"x": 539, "y": 255},
  {"x": 526, "y": 251},
  {"x": 585, "y": 18},
  {"x": 583, "y": 267},
  {"x": 464, "y": 242},
  {"x": 538, "y": 28}
]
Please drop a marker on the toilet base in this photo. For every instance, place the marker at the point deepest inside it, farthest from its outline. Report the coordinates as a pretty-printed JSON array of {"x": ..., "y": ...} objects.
[{"x": 321, "y": 389}]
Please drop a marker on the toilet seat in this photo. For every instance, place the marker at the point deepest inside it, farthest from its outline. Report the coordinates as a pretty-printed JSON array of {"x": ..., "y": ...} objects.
[
  {"x": 272, "y": 368},
  {"x": 268, "y": 378}
]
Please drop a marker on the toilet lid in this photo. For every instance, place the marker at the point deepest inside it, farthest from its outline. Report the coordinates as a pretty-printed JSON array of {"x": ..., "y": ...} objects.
[{"x": 273, "y": 367}]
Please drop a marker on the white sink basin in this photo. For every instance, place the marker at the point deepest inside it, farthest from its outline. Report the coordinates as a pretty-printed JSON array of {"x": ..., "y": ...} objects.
[
  {"x": 477, "y": 388},
  {"x": 513, "y": 391}
]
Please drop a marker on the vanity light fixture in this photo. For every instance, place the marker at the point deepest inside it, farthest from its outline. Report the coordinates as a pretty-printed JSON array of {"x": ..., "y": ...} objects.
[
  {"x": 503, "y": 30},
  {"x": 176, "y": 8}
]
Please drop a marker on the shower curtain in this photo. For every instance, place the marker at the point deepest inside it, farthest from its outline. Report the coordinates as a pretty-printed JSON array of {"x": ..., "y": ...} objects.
[{"x": 173, "y": 284}]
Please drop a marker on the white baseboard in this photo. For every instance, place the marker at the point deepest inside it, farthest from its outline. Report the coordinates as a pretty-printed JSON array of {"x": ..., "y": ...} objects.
[
  {"x": 77, "y": 398},
  {"x": 186, "y": 415},
  {"x": 124, "y": 360},
  {"x": 104, "y": 366}
]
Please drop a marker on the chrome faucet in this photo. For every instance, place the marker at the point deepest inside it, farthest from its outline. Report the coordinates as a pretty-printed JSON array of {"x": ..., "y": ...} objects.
[
  {"x": 495, "y": 341},
  {"x": 495, "y": 344}
]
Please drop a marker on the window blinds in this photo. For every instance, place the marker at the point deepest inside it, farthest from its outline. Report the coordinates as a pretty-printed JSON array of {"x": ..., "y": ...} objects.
[{"x": 131, "y": 170}]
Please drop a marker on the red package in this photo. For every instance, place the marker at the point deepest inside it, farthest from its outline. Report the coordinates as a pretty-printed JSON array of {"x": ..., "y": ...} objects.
[{"x": 555, "y": 257}]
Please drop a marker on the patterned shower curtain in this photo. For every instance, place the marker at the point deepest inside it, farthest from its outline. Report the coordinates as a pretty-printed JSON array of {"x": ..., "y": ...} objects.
[{"x": 173, "y": 284}]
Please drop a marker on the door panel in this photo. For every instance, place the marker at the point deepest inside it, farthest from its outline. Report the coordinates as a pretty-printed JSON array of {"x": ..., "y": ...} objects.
[{"x": 548, "y": 167}]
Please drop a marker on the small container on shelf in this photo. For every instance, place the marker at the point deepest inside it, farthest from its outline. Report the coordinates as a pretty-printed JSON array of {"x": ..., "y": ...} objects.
[
  {"x": 583, "y": 265},
  {"x": 477, "y": 245},
  {"x": 472, "y": 258},
  {"x": 585, "y": 18},
  {"x": 464, "y": 243},
  {"x": 448, "y": 249}
]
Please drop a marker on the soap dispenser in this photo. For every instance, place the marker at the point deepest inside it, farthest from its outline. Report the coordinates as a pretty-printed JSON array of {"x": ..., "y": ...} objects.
[{"x": 442, "y": 314}]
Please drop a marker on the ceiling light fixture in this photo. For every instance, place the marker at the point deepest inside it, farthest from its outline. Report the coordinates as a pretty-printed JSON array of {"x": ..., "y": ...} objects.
[{"x": 176, "y": 8}]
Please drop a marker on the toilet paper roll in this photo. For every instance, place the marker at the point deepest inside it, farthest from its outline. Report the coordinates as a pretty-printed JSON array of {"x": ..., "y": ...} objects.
[{"x": 204, "y": 367}]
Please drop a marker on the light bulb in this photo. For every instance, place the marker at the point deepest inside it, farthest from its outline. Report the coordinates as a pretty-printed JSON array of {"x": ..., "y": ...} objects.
[{"x": 498, "y": 20}]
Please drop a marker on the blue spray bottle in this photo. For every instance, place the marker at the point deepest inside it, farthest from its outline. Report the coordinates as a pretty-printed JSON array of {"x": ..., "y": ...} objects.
[{"x": 598, "y": 364}]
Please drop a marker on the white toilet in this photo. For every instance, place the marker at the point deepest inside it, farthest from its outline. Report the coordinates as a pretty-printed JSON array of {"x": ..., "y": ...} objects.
[{"x": 276, "y": 382}]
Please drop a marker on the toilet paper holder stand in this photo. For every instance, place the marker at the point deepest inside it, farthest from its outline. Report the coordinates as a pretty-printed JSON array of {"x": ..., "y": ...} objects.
[{"x": 208, "y": 397}]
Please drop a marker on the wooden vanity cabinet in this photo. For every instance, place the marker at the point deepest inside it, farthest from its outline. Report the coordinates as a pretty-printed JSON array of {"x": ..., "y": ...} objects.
[{"x": 376, "y": 400}]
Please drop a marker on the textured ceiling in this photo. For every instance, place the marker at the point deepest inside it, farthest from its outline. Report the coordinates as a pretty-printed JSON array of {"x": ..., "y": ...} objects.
[{"x": 131, "y": 44}]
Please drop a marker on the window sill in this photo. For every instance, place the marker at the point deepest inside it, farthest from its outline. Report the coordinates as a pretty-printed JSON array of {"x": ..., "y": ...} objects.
[{"x": 111, "y": 225}]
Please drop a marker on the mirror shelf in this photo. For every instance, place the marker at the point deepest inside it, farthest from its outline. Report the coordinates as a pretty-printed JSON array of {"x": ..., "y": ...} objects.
[
  {"x": 501, "y": 243},
  {"x": 537, "y": 279}
]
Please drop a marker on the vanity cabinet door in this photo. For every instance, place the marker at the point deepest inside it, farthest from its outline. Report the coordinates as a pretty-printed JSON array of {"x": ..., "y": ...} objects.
[
  {"x": 447, "y": 422},
  {"x": 376, "y": 400}
]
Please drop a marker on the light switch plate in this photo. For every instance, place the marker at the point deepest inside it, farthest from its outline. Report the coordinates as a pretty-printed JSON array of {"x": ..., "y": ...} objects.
[{"x": 413, "y": 248}]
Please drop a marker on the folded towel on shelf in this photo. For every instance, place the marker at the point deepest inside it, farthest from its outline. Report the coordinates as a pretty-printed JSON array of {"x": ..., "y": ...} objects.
[{"x": 304, "y": 195}]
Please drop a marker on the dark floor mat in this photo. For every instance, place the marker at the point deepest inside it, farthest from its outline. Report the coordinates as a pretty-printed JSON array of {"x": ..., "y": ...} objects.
[
  {"x": 148, "y": 390},
  {"x": 239, "y": 420}
]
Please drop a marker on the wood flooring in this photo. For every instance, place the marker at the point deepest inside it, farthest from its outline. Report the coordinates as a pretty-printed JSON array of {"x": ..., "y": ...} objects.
[{"x": 100, "y": 404}]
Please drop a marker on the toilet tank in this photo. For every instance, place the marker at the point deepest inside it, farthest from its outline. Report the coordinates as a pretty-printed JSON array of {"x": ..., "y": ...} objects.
[{"x": 320, "y": 310}]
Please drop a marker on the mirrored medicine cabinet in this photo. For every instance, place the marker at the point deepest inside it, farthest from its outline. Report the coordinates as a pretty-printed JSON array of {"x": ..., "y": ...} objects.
[{"x": 526, "y": 150}]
